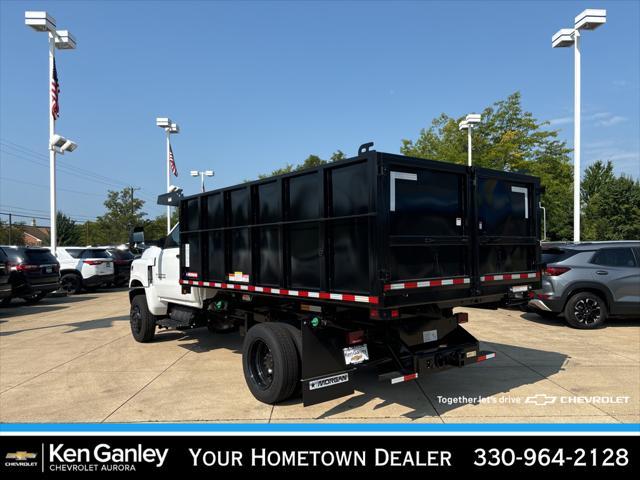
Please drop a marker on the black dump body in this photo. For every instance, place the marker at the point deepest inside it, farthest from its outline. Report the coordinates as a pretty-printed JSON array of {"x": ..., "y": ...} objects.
[{"x": 379, "y": 231}]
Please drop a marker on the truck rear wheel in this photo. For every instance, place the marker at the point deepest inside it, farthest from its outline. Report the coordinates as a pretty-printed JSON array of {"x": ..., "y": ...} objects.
[
  {"x": 143, "y": 322},
  {"x": 270, "y": 362}
]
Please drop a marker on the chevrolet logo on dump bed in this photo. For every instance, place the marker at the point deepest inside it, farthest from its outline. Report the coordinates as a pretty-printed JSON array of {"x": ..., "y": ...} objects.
[{"x": 21, "y": 456}]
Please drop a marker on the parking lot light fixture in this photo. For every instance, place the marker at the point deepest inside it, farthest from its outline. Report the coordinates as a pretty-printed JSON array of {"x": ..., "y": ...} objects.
[
  {"x": 61, "y": 144},
  {"x": 40, "y": 21},
  {"x": 61, "y": 39},
  {"x": 467, "y": 124},
  {"x": 589, "y": 19},
  {"x": 205, "y": 173},
  {"x": 64, "y": 40},
  {"x": 170, "y": 128}
]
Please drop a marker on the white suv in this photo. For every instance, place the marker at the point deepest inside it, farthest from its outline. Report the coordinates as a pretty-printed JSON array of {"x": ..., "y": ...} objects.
[{"x": 84, "y": 268}]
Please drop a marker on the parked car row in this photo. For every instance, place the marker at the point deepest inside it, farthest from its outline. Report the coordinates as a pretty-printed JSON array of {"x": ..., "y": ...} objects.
[{"x": 30, "y": 273}]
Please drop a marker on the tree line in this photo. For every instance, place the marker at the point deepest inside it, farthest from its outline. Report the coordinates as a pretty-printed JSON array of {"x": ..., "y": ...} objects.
[{"x": 508, "y": 138}]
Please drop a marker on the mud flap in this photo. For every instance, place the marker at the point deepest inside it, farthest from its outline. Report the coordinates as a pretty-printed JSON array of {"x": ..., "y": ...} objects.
[
  {"x": 321, "y": 389},
  {"x": 324, "y": 373}
]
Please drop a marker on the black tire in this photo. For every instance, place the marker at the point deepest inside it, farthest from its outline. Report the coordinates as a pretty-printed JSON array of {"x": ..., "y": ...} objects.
[
  {"x": 71, "y": 283},
  {"x": 585, "y": 310},
  {"x": 296, "y": 336},
  {"x": 270, "y": 362},
  {"x": 143, "y": 322},
  {"x": 35, "y": 298}
]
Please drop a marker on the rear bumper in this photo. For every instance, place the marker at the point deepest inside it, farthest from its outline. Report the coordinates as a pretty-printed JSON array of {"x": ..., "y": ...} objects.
[
  {"x": 97, "y": 280},
  {"x": 28, "y": 288},
  {"x": 546, "y": 305}
]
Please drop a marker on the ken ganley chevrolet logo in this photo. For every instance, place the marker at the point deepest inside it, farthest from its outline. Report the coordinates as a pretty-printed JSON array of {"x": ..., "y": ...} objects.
[
  {"x": 103, "y": 458},
  {"x": 20, "y": 459}
]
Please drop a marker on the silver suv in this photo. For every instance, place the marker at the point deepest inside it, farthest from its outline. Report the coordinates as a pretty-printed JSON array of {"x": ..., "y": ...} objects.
[{"x": 589, "y": 281}]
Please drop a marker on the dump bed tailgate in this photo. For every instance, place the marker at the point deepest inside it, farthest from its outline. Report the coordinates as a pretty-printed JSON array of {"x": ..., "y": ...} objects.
[{"x": 452, "y": 232}]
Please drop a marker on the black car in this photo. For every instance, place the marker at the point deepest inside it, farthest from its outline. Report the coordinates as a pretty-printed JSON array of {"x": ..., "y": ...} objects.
[
  {"x": 122, "y": 260},
  {"x": 5, "y": 286},
  {"x": 33, "y": 273}
]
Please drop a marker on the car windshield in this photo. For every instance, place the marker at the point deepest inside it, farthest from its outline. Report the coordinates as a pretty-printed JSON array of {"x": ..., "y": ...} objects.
[
  {"x": 39, "y": 256},
  {"x": 553, "y": 255},
  {"x": 121, "y": 254},
  {"x": 95, "y": 253}
]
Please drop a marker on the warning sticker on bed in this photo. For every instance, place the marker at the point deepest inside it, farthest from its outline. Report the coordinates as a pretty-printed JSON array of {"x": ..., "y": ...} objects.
[{"x": 238, "y": 277}]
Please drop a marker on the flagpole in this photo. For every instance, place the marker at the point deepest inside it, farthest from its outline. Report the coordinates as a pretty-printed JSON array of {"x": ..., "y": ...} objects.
[
  {"x": 168, "y": 179},
  {"x": 52, "y": 153}
]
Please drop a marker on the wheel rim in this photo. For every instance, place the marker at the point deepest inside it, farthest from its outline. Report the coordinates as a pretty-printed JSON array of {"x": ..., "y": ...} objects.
[
  {"x": 68, "y": 285},
  {"x": 261, "y": 364},
  {"x": 136, "y": 319},
  {"x": 587, "y": 310}
]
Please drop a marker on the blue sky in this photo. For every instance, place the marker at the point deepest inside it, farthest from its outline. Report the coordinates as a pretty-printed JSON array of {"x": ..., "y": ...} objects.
[{"x": 256, "y": 85}]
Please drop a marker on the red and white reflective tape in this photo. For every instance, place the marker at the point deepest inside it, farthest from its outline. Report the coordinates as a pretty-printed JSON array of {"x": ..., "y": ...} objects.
[
  {"x": 404, "y": 378},
  {"x": 342, "y": 297},
  {"x": 509, "y": 276},
  {"x": 484, "y": 357},
  {"x": 440, "y": 282}
]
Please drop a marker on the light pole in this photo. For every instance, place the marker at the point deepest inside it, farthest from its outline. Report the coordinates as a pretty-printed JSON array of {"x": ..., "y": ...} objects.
[
  {"x": 62, "y": 40},
  {"x": 207, "y": 173},
  {"x": 467, "y": 124},
  {"x": 169, "y": 127},
  {"x": 589, "y": 19}
]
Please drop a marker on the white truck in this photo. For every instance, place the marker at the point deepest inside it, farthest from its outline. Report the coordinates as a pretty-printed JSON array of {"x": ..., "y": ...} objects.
[{"x": 157, "y": 298}]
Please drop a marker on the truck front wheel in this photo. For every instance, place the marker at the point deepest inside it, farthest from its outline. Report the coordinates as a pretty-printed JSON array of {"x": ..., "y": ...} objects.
[
  {"x": 270, "y": 362},
  {"x": 143, "y": 322}
]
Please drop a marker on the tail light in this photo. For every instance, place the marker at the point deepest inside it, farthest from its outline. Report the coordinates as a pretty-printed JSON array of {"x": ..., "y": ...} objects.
[
  {"x": 555, "y": 271},
  {"x": 93, "y": 262},
  {"x": 355, "y": 337},
  {"x": 25, "y": 267}
]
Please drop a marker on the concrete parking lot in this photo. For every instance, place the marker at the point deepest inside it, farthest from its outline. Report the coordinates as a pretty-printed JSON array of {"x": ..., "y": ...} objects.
[{"x": 74, "y": 360}]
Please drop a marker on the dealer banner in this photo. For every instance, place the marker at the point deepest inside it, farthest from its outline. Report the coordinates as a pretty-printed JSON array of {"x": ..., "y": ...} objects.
[{"x": 54, "y": 456}]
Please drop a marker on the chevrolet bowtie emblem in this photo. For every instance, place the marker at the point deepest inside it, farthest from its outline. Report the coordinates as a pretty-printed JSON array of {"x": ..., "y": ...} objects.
[{"x": 21, "y": 455}]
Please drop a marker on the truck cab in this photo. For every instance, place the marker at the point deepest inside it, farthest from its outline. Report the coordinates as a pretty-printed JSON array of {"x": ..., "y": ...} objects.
[{"x": 156, "y": 274}]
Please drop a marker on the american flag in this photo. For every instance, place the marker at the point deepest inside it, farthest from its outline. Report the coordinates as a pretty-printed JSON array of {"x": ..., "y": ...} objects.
[
  {"x": 172, "y": 162},
  {"x": 55, "y": 90}
]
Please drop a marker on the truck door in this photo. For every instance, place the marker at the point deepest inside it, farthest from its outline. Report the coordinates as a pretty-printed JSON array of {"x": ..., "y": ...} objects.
[
  {"x": 167, "y": 277},
  {"x": 507, "y": 230}
]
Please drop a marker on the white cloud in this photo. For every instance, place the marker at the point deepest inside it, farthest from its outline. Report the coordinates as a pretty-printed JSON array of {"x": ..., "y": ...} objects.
[
  {"x": 611, "y": 121},
  {"x": 600, "y": 119},
  {"x": 561, "y": 121}
]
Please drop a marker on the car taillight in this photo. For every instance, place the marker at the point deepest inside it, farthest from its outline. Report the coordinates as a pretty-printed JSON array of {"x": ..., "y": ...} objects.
[
  {"x": 25, "y": 267},
  {"x": 93, "y": 262},
  {"x": 555, "y": 271},
  {"x": 355, "y": 337}
]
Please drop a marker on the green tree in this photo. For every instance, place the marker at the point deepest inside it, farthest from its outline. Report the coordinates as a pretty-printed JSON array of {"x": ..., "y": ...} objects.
[
  {"x": 310, "y": 162},
  {"x": 509, "y": 139},
  {"x": 611, "y": 205},
  {"x": 124, "y": 212},
  {"x": 68, "y": 231},
  {"x": 156, "y": 228}
]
